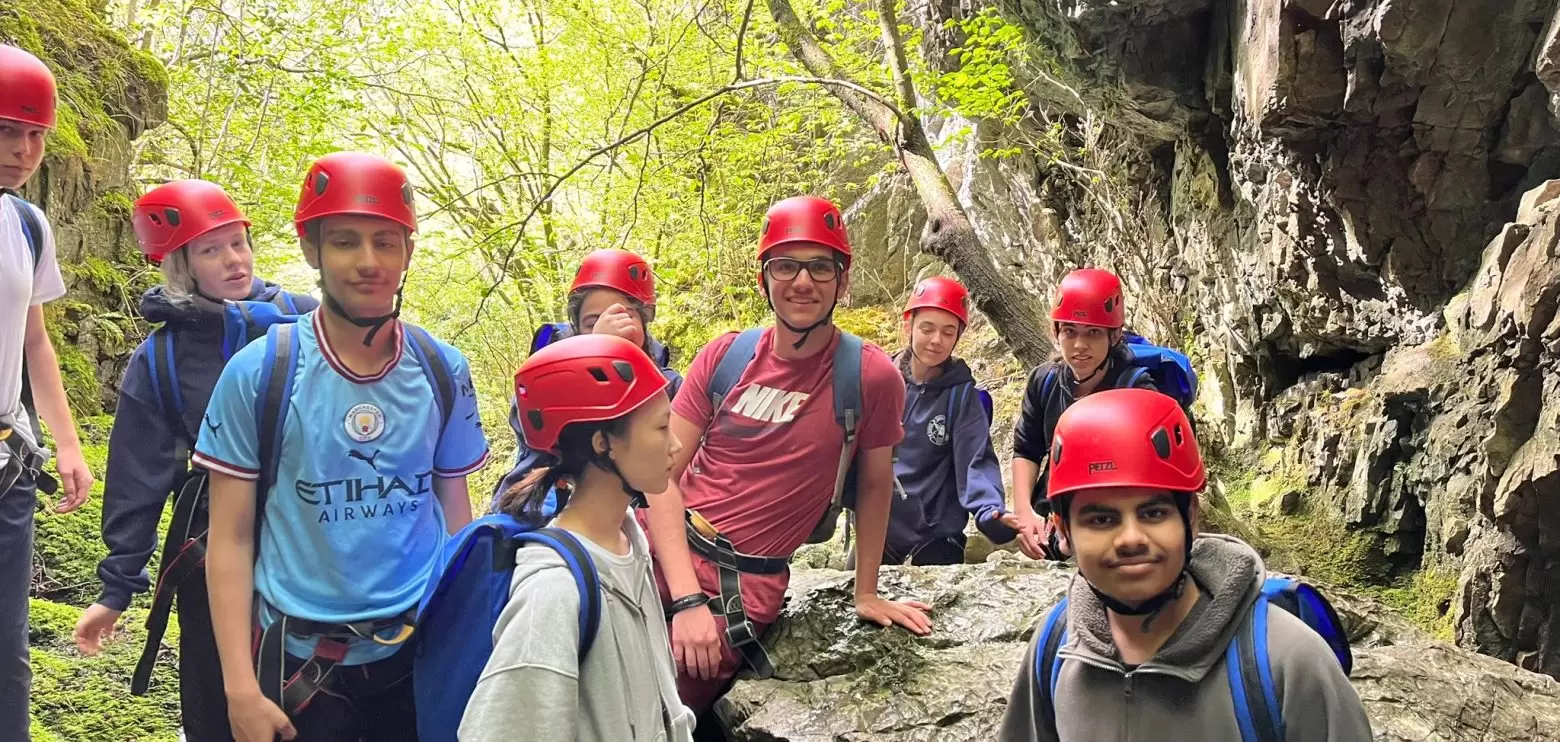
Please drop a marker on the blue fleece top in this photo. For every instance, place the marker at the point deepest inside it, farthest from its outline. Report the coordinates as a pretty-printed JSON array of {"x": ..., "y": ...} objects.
[
  {"x": 947, "y": 471},
  {"x": 526, "y": 459},
  {"x": 146, "y": 458}
]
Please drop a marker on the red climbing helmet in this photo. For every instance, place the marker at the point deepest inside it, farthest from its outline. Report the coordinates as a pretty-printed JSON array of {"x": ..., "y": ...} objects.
[
  {"x": 26, "y": 88},
  {"x": 172, "y": 215},
  {"x": 619, "y": 270},
  {"x": 1125, "y": 438},
  {"x": 1090, "y": 297},
  {"x": 584, "y": 378},
  {"x": 358, "y": 184},
  {"x": 940, "y": 292},
  {"x": 804, "y": 219}
]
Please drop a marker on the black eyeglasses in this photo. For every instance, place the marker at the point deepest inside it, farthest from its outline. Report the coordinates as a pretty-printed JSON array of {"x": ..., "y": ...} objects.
[{"x": 821, "y": 270}]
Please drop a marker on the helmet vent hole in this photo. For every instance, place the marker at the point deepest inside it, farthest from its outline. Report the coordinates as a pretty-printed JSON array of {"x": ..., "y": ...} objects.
[
  {"x": 155, "y": 219},
  {"x": 1056, "y": 453},
  {"x": 633, "y": 273},
  {"x": 1110, "y": 304},
  {"x": 534, "y": 417},
  {"x": 599, "y": 374},
  {"x": 624, "y": 371},
  {"x": 173, "y": 217},
  {"x": 829, "y": 221},
  {"x": 1180, "y": 436},
  {"x": 320, "y": 180},
  {"x": 1161, "y": 441}
]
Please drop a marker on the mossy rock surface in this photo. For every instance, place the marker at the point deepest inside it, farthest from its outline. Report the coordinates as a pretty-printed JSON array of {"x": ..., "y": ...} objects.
[{"x": 80, "y": 699}]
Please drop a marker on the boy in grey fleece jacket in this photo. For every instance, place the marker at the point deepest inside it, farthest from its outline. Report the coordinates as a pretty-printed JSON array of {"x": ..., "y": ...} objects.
[
  {"x": 596, "y": 405},
  {"x": 1152, "y": 611}
]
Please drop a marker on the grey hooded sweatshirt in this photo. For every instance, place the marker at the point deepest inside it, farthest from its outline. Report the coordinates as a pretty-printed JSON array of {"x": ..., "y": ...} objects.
[
  {"x": 1182, "y": 693},
  {"x": 535, "y": 689}
]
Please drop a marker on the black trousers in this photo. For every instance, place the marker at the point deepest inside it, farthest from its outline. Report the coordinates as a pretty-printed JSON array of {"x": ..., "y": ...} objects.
[
  {"x": 363, "y": 703},
  {"x": 202, "y": 700}
]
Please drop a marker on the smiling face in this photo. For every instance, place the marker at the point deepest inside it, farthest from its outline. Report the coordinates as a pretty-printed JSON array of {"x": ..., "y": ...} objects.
[
  {"x": 1084, "y": 347},
  {"x": 799, "y": 282},
  {"x": 361, "y": 260},
  {"x": 933, "y": 335},
  {"x": 21, "y": 151},
  {"x": 222, "y": 263},
  {"x": 1130, "y": 542},
  {"x": 644, "y": 451}
]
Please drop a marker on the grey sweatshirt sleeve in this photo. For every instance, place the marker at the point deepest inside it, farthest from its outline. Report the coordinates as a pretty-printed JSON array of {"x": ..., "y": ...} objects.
[
  {"x": 1023, "y": 720},
  {"x": 530, "y": 689},
  {"x": 1319, "y": 703},
  {"x": 145, "y": 458},
  {"x": 977, "y": 471}
]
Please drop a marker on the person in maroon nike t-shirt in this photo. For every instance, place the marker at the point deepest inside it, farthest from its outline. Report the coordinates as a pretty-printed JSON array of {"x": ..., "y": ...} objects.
[{"x": 765, "y": 472}]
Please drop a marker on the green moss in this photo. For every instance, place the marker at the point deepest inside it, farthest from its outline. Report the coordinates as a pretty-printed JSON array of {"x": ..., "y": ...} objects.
[
  {"x": 69, "y": 546},
  {"x": 1425, "y": 598},
  {"x": 116, "y": 204},
  {"x": 101, "y": 274},
  {"x": 77, "y": 371},
  {"x": 1317, "y": 544},
  {"x": 88, "y": 698},
  {"x": 876, "y": 324}
]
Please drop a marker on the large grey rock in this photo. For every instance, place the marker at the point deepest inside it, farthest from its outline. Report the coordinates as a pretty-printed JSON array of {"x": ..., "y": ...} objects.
[{"x": 839, "y": 679}]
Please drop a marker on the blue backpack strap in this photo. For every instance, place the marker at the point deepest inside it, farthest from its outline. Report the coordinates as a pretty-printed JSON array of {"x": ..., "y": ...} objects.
[
  {"x": 585, "y": 578},
  {"x": 732, "y": 363},
  {"x": 272, "y": 403},
  {"x": 1048, "y": 661},
  {"x": 32, "y": 227},
  {"x": 1133, "y": 377},
  {"x": 284, "y": 302},
  {"x": 1252, "y": 692},
  {"x": 549, "y": 333},
  {"x": 436, "y": 369},
  {"x": 165, "y": 379},
  {"x": 1047, "y": 383},
  {"x": 847, "y": 404}
]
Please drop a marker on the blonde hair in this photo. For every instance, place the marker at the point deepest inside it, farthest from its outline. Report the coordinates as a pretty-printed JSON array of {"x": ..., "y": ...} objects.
[{"x": 178, "y": 279}]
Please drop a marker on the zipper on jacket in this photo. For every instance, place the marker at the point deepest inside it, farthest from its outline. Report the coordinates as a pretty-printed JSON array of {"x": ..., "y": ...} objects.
[{"x": 1126, "y": 713}]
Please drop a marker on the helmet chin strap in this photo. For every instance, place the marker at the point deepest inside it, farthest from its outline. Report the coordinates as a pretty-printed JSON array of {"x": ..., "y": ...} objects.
[
  {"x": 805, "y": 331},
  {"x": 1096, "y": 372},
  {"x": 603, "y": 460},
  {"x": 375, "y": 324}
]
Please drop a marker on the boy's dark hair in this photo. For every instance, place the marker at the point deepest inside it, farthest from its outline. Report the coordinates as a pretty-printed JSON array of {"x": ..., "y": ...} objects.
[{"x": 576, "y": 450}]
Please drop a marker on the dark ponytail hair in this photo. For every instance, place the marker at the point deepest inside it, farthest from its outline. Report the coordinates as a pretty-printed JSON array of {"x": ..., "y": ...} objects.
[{"x": 576, "y": 450}]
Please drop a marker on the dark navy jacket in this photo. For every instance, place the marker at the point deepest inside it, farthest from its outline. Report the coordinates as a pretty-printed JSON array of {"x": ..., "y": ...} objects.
[
  {"x": 946, "y": 470},
  {"x": 1043, "y": 407},
  {"x": 525, "y": 459},
  {"x": 146, "y": 459}
]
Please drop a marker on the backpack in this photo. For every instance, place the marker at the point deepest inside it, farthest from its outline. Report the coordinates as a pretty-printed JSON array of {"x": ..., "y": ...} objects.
[
  {"x": 1257, "y": 708},
  {"x": 847, "y": 411},
  {"x": 958, "y": 394},
  {"x": 462, "y": 604},
  {"x": 1170, "y": 369},
  {"x": 551, "y": 332},
  {"x": 32, "y": 232}
]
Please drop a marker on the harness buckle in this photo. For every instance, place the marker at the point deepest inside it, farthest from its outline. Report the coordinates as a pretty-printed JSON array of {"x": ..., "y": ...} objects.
[{"x": 400, "y": 637}]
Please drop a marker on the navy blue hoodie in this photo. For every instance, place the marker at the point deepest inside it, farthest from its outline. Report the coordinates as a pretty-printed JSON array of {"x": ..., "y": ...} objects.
[
  {"x": 145, "y": 458},
  {"x": 946, "y": 471},
  {"x": 525, "y": 459}
]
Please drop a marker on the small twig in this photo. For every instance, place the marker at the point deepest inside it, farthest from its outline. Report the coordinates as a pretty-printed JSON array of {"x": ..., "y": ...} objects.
[{"x": 747, "y": 17}]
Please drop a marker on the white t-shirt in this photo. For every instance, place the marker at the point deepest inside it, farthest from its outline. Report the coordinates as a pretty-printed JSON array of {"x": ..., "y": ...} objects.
[{"x": 22, "y": 285}]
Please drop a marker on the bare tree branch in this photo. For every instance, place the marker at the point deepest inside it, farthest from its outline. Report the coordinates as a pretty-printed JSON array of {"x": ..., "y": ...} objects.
[
  {"x": 747, "y": 17},
  {"x": 865, "y": 94}
]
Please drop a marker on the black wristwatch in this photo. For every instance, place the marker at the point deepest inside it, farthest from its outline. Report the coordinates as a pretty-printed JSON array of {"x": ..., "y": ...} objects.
[{"x": 685, "y": 602}]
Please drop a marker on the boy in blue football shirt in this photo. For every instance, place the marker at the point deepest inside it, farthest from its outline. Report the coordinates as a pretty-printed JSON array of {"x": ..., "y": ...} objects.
[{"x": 369, "y": 479}]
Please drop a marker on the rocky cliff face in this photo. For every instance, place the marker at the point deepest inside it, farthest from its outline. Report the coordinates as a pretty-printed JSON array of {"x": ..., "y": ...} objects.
[
  {"x": 1320, "y": 201},
  {"x": 111, "y": 93},
  {"x": 838, "y": 678}
]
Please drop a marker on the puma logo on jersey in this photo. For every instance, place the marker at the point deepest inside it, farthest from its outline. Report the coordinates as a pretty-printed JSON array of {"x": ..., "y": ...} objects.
[
  {"x": 370, "y": 460},
  {"x": 213, "y": 426},
  {"x": 769, "y": 405}
]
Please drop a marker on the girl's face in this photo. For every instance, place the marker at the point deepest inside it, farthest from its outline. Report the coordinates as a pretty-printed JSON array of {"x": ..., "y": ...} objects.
[
  {"x": 643, "y": 453},
  {"x": 221, "y": 262},
  {"x": 1084, "y": 347},
  {"x": 933, "y": 335}
]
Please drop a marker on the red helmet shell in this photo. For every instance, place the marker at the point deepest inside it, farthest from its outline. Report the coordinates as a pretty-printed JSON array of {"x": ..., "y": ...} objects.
[
  {"x": 27, "y": 90},
  {"x": 357, "y": 184},
  {"x": 804, "y": 219},
  {"x": 172, "y": 215},
  {"x": 940, "y": 292},
  {"x": 1125, "y": 438},
  {"x": 618, "y": 270},
  {"x": 1090, "y": 297},
  {"x": 584, "y": 378}
]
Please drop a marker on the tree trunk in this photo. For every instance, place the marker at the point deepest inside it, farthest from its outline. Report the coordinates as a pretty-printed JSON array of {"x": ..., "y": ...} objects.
[{"x": 949, "y": 236}]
